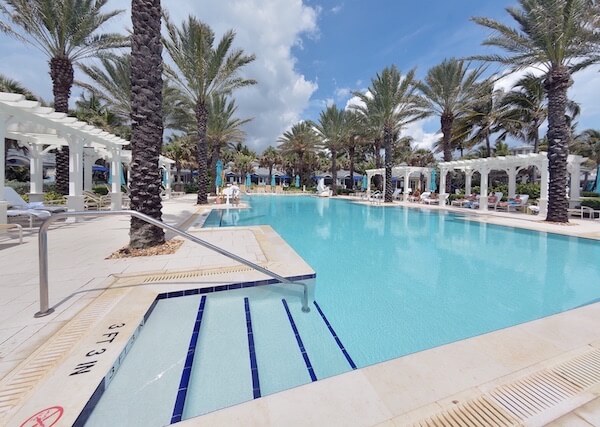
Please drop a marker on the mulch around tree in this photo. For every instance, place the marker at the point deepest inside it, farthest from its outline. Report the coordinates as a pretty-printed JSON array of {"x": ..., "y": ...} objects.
[{"x": 167, "y": 248}]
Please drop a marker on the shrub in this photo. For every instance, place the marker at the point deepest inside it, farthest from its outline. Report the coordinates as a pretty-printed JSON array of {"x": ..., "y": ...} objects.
[
  {"x": 453, "y": 197},
  {"x": 589, "y": 194},
  {"x": 591, "y": 203},
  {"x": 344, "y": 191},
  {"x": 53, "y": 195},
  {"x": 191, "y": 188},
  {"x": 533, "y": 190},
  {"x": 20, "y": 187},
  {"x": 101, "y": 190}
]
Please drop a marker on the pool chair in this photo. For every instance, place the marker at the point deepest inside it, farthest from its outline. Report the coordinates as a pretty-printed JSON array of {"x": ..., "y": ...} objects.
[
  {"x": 376, "y": 197},
  {"x": 466, "y": 202},
  {"x": 430, "y": 198},
  {"x": 323, "y": 190},
  {"x": 96, "y": 202},
  {"x": 397, "y": 194},
  {"x": 515, "y": 204},
  {"x": 495, "y": 199},
  {"x": 30, "y": 214},
  {"x": 583, "y": 211},
  {"x": 15, "y": 201}
]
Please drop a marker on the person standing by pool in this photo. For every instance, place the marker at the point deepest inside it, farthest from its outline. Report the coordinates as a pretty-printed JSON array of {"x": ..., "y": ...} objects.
[{"x": 235, "y": 194}]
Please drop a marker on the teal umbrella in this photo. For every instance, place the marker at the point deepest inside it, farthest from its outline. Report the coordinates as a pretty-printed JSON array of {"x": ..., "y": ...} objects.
[
  {"x": 122, "y": 177},
  {"x": 597, "y": 186},
  {"x": 164, "y": 178},
  {"x": 297, "y": 181},
  {"x": 219, "y": 174},
  {"x": 432, "y": 184},
  {"x": 273, "y": 181},
  {"x": 365, "y": 182},
  {"x": 248, "y": 180}
]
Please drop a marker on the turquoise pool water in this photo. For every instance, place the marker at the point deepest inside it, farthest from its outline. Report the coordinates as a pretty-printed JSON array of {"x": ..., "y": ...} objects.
[{"x": 394, "y": 281}]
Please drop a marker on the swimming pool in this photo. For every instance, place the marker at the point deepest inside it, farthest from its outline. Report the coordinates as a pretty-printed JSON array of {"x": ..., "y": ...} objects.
[{"x": 391, "y": 281}]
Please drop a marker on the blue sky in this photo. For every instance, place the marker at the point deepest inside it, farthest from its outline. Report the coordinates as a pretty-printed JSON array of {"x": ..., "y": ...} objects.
[{"x": 311, "y": 53}]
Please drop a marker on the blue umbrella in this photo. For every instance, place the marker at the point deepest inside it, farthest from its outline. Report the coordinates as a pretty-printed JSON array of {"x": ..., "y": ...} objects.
[
  {"x": 597, "y": 187},
  {"x": 365, "y": 182},
  {"x": 297, "y": 181},
  {"x": 432, "y": 184},
  {"x": 273, "y": 181},
  {"x": 122, "y": 178},
  {"x": 248, "y": 180},
  {"x": 219, "y": 174}
]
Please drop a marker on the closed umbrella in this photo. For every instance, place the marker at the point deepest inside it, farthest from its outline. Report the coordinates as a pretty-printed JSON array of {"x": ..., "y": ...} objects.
[
  {"x": 597, "y": 187},
  {"x": 297, "y": 181},
  {"x": 219, "y": 175},
  {"x": 432, "y": 184},
  {"x": 273, "y": 181},
  {"x": 365, "y": 182},
  {"x": 248, "y": 180}
]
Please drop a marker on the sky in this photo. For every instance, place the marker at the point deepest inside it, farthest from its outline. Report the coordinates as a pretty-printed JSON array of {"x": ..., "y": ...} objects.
[{"x": 310, "y": 54}]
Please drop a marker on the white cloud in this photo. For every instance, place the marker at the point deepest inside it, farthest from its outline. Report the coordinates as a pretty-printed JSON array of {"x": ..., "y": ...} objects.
[
  {"x": 422, "y": 138},
  {"x": 337, "y": 9},
  {"x": 267, "y": 28}
]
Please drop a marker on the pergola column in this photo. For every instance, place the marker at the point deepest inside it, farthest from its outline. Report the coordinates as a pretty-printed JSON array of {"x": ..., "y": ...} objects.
[
  {"x": 406, "y": 185},
  {"x": 483, "y": 191},
  {"x": 543, "y": 201},
  {"x": 512, "y": 182},
  {"x": 89, "y": 157},
  {"x": 468, "y": 181},
  {"x": 574, "y": 192},
  {"x": 3, "y": 203},
  {"x": 116, "y": 197},
  {"x": 443, "y": 195},
  {"x": 36, "y": 173},
  {"x": 75, "y": 200}
]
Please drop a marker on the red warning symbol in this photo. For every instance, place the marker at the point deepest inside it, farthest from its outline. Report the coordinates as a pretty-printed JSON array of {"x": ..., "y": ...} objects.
[{"x": 45, "y": 418}]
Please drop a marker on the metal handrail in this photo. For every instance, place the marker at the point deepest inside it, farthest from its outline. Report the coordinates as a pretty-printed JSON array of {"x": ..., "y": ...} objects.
[{"x": 43, "y": 253}]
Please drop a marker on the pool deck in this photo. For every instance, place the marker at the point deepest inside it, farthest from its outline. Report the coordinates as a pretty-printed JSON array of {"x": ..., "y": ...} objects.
[{"x": 393, "y": 393}]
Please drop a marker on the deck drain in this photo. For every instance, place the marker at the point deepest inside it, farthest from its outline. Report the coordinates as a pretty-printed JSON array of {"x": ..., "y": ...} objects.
[
  {"x": 196, "y": 273},
  {"x": 518, "y": 402}
]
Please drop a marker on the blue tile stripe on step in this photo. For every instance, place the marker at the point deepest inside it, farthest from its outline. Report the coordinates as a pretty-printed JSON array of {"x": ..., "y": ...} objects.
[
  {"x": 187, "y": 368},
  {"x": 253, "y": 365},
  {"x": 311, "y": 371},
  {"x": 337, "y": 340}
]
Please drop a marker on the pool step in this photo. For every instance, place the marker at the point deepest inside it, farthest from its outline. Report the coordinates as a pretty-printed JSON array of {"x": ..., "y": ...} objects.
[{"x": 249, "y": 347}]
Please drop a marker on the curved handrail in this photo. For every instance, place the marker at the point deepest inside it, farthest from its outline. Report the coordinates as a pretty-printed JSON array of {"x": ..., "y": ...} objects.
[{"x": 43, "y": 253}]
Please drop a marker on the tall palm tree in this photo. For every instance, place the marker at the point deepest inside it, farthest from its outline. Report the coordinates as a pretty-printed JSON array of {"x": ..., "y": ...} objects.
[
  {"x": 333, "y": 130},
  {"x": 146, "y": 121},
  {"x": 561, "y": 36},
  {"x": 355, "y": 139},
  {"x": 180, "y": 149},
  {"x": 449, "y": 89},
  {"x": 269, "y": 159},
  {"x": 203, "y": 70},
  {"x": 394, "y": 101},
  {"x": 223, "y": 129},
  {"x": 300, "y": 141},
  {"x": 66, "y": 31}
]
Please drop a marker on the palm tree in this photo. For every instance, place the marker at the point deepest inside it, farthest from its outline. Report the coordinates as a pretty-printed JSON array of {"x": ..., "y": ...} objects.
[
  {"x": 223, "y": 129},
  {"x": 269, "y": 159},
  {"x": 13, "y": 86},
  {"x": 449, "y": 89},
  {"x": 90, "y": 109},
  {"x": 300, "y": 141},
  {"x": 333, "y": 130},
  {"x": 180, "y": 149},
  {"x": 394, "y": 102},
  {"x": 66, "y": 31},
  {"x": 561, "y": 37},
  {"x": 242, "y": 164},
  {"x": 146, "y": 121},
  {"x": 587, "y": 144},
  {"x": 356, "y": 138},
  {"x": 204, "y": 70}
]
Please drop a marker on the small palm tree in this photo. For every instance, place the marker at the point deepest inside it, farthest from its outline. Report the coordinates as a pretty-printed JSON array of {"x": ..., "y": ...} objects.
[
  {"x": 587, "y": 144},
  {"x": 243, "y": 164},
  {"x": 180, "y": 149},
  {"x": 66, "y": 31},
  {"x": 299, "y": 142},
  {"x": 393, "y": 101},
  {"x": 13, "y": 86},
  {"x": 449, "y": 89},
  {"x": 561, "y": 36},
  {"x": 146, "y": 121},
  {"x": 334, "y": 131},
  {"x": 269, "y": 159},
  {"x": 202, "y": 70}
]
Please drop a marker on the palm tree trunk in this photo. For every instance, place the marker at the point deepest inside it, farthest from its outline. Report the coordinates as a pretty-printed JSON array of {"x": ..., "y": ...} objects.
[
  {"x": 351, "y": 153},
  {"x": 387, "y": 143},
  {"x": 556, "y": 84},
  {"x": 536, "y": 146},
  {"x": 334, "y": 171},
  {"x": 446, "y": 120},
  {"x": 61, "y": 73},
  {"x": 488, "y": 146},
  {"x": 270, "y": 173},
  {"x": 202, "y": 153},
  {"x": 213, "y": 168},
  {"x": 146, "y": 121}
]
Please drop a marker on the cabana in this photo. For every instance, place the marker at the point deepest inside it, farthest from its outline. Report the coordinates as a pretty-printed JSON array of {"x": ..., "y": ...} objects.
[
  {"x": 399, "y": 172},
  {"x": 512, "y": 165},
  {"x": 42, "y": 129}
]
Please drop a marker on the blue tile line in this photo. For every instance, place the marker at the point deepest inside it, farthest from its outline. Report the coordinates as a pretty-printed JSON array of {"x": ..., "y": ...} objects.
[
  {"x": 253, "y": 365},
  {"x": 187, "y": 368},
  {"x": 337, "y": 340},
  {"x": 311, "y": 371}
]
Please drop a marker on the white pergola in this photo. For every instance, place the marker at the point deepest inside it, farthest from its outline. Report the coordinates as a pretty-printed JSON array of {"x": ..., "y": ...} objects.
[
  {"x": 400, "y": 171},
  {"x": 42, "y": 129},
  {"x": 512, "y": 165}
]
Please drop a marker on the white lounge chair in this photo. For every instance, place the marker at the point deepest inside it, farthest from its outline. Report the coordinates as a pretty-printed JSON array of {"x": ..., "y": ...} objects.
[
  {"x": 397, "y": 194},
  {"x": 492, "y": 203},
  {"x": 514, "y": 204},
  {"x": 16, "y": 201},
  {"x": 31, "y": 214},
  {"x": 322, "y": 190}
]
